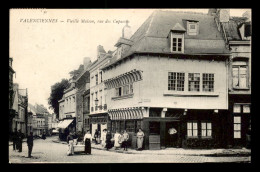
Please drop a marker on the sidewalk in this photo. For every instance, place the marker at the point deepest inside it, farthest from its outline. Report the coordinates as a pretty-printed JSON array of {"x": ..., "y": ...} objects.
[{"x": 177, "y": 151}]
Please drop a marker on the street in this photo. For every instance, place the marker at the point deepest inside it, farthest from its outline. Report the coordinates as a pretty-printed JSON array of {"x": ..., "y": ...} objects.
[{"x": 46, "y": 151}]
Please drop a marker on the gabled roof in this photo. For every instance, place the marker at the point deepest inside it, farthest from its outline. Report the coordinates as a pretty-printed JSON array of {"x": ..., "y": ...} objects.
[
  {"x": 178, "y": 27},
  {"x": 152, "y": 35}
]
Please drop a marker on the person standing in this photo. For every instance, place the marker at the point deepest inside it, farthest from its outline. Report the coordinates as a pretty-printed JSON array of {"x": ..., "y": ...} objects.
[
  {"x": 116, "y": 139},
  {"x": 20, "y": 140},
  {"x": 103, "y": 139},
  {"x": 87, "y": 140},
  {"x": 70, "y": 144},
  {"x": 140, "y": 139},
  {"x": 15, "y": 140},
  {"x": 125, "y": 140},
  {"x": 96, "y": 136},
  {"x": 30, "y": 144},
  {"x": 108, "y": 140}
]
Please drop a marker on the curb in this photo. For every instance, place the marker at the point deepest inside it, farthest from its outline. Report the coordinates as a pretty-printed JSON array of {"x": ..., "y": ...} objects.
[{"x": 243, "y": 154}]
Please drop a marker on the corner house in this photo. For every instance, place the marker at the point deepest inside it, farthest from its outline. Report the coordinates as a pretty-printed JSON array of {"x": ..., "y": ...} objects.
[{"x": 170, "y": 79}]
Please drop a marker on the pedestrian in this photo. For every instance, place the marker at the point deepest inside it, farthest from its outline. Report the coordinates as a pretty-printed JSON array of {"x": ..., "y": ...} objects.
[
  {"x": 116, "y": 139},
  {"x": 121, "y": 138},
  {"x": 30, "y": 144},
  {"x": 103, "y": 138},
  {"x": 20, "y": 140},
  {"x": 87, "y": 140},
  {"x": 125, "y": 140},
  {"x": 43, "y": 136},
  {"x": 108, "y": 140},
  {"x": 75, "y": 138},
  {"x": 14, "y": 139},
  {"x": 70, "y": 144},
  {"x": 140, "y": 139},
  {"x": 96, "y": 136}
]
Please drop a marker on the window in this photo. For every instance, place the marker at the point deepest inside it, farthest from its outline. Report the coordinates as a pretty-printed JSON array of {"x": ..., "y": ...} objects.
[
  {"x": 237, "y": 108},
  {"x": 125, "y": 89},
  {"x": 118, "y": 91},
  {"x": 96, "y": 79},
  {"x": 131, "y": 88},
  {"x": 208, "y": 82},
  {"x": 176, "y": 81},
  {"x": 237, "y": 127},
  {"x": 192, "y": 28},
  {"x": 100, "y": 73},
  {"x": 194, "y": 82},
  {"x": 192, "y": 129},
  {"x": 246, "y": 108},
  {"x": 239, "y": 74},
  {"x": 206, "y": 129},
  {"x": 177, "y": 44},
  {"x": 130, "y": 126}
]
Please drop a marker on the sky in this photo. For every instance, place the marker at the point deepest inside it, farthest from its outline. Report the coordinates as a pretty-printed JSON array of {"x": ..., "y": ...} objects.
[{"x": 44, "y": 53}]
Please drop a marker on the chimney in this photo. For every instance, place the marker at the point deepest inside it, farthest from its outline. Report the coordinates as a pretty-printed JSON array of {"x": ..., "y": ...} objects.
[
  {"x": 126, "y": 32},
  {"x": 86, "y": 62},
  {"x": 223, "y": 15},
  {"x": 100, "y": 51},
  {"x": 212, "y": 11},
  {"x": 247, "y": 14}
]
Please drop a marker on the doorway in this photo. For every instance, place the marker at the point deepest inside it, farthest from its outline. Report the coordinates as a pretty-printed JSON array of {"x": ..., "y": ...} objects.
[{"x": 172, "y": 134}]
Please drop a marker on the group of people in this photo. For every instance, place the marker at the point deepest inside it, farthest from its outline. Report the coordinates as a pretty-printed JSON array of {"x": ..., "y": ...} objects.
[
  {"x": 120, "y": 140},
  {"x": 18, "y": 142}
]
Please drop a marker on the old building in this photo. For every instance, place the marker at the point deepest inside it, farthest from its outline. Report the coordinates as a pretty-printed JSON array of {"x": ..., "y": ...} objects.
[
  {"x": 82, "y": 86},
  {"x": 20, "y": 104},
  {"x": 237, "y": 34},
  {"x": 11, "y": 95},
  {"x": 98, "y": 114},
  {"x": 170, "y": 79}
]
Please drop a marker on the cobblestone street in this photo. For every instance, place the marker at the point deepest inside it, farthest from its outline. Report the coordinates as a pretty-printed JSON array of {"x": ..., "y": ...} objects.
[{"x": 47, "y": 151}]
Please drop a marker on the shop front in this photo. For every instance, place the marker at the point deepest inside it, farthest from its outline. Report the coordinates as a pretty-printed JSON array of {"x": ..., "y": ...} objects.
[
  {"x": 66, "y": 126},
  {"x": 98, "y": 122}
]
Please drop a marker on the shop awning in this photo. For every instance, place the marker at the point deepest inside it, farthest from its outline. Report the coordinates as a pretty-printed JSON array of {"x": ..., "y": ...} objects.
[
  {"x": 65, "y": 123},
  {"x": 126, "y": 113}
]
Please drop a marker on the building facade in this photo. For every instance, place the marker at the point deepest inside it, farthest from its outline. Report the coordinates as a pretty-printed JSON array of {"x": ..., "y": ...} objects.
[
  {"x": 20, "y": 104},
  {"x": 98, "y": 105},
  {"x": 82, "y": 85},
  {"x": 170, "y": 79},
  {"x": 11, "y": 96},
  {"x": 237, "y": 34}
]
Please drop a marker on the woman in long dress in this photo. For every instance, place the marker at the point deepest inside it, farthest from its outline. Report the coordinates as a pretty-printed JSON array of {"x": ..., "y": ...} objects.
[
  {"x": 103, "y": 139},
  {"x": 87, "y": 140},
  {"x": 116, "y": 139},
  {"x": 140, "y": 139},
  {"x": 108, "y": 140},
  {"x": 70, "y": 144}
]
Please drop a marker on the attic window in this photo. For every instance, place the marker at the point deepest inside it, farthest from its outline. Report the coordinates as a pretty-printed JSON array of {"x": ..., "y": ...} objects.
[
  {"x": 193, "y": 28},
  {"x": 177, "y": 42}
]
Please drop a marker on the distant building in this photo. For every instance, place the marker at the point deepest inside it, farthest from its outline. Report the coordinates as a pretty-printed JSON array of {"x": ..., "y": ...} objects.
[
  {"x": 98, "y": 105},
  {"x": 20, "y": 104}
]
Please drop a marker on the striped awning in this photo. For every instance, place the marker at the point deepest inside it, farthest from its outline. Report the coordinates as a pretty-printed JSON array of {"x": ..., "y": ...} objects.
[{"x": 126, "y": 113}]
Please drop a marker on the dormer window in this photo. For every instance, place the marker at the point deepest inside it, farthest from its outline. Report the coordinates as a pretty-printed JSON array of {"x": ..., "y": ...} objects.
[
  {"x": 193, "y": 28},
  {"x": 177, "y": 42}
]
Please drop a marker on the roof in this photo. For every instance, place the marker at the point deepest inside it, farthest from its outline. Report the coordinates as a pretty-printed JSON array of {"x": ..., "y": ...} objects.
[
  {"x": 152, "y": 35},
  {"x": 232, "y": 28}
]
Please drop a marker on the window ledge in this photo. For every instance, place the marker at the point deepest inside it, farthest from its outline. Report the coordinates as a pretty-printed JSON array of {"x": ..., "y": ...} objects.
[
  {"x": 192, "y": 137},
  {"x": 234, "y": 88},
  {"x": 190, "y": 94},
  {"x": 123, "y": 97},
  {"x": 206, "y": 137}
]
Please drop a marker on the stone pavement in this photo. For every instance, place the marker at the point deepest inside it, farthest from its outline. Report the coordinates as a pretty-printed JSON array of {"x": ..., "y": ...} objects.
[{"x": 177, "y": 151}]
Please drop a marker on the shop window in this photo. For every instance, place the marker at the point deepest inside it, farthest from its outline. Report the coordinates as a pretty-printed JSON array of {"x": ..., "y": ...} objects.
[
  {"x": 237, "y": 127},
  {"x": 192, "y": 129},
  {"x": 138, "y": 125},
  {"x": 122, "y": 125},
  {"x": 130, "y": 126},
  {"x": 194, "y": 82},
  {"x": 206, "y": 129},
  {"x": 113, "y": 126},
  {"x": 208, "y": 82},
  {"x": 176, "y": 81}
]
